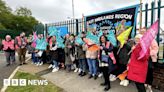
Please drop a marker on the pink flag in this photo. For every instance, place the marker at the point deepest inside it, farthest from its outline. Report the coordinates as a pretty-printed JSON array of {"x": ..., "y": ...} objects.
[
  {"x": 147, "y": 39},
  {"x": 34, "y": 40}
]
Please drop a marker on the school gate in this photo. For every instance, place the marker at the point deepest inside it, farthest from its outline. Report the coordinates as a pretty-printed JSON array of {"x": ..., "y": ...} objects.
[{"x": 156, "y": 10}]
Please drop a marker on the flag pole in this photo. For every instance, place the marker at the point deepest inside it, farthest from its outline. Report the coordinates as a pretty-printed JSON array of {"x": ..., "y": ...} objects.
[
  {"x": 82, "y": 22},
  {"x": 140, "y": 16}
]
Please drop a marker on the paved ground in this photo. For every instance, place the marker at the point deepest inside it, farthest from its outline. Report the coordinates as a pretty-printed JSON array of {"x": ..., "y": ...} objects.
[
  {"x": 71, "y": 82},
  {"x": 5, "y": 71}
]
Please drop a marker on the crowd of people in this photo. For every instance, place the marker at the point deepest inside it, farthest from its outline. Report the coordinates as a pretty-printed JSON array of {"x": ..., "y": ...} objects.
[{"x": 87, "y": 58}]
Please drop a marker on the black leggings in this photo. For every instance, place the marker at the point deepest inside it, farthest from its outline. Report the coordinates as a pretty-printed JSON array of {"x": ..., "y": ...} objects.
[
  {"x": 140, "y": 87},
  {"x": 105, "y": 71},
  {"x": 149, "y": 78}
]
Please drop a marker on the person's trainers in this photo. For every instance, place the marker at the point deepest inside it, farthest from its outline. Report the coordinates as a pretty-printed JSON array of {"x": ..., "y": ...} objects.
[
  {"x": 106, "y": 88},
  {"x": 24, "y": 63},
  {"x": 50, "y": 66},
  {"x": 95, "y": 77},
  {"x": 79, "y": 70},
  {"x": 90, "y": 76},
  {"x": 80, "y": 73},
  {"x": 103, "y": 84},
  {"x": 83, "y": 74},
  {"x": 8, "y": 65},
  {"x": 122, "y": 82},
  {"x": 76, "y": 70},
  {"x": 100, "y": 75},
  {"x": 126, "y": 83},
  {"x": 37, "y": 64},
  {"x": 41, "y": 63},
  {"x": 113, "y": 78},
  {"x": 55, "y": 70}
]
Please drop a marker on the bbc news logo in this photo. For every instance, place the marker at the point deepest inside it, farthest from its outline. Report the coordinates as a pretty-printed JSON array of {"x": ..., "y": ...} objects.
[{"x": 23, "y": 82}]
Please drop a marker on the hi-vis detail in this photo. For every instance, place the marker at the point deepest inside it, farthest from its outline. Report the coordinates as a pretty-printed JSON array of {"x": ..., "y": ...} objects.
[{"x": 24, "y": 82}]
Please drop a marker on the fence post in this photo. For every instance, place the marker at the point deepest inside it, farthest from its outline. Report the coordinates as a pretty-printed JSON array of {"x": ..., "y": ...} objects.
[
  {"x": 159, "y": 13},
  {"x": 77, "y": 26},
  {"x": 152, "y": 13},
  {"x": 146, "y": 14}
]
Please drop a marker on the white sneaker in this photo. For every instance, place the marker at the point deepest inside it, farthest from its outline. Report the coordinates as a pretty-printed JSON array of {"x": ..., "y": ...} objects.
[
  {"x": 79, "y": 70},
  {"x": 53, "y": 66},
  {"x": 76, "y": 70},
  {"x": 37, "y": 64},
  {"x": 122, "y": 82},
  {"x": 55, "y": 70},
  {"x": 32, "y": 63},
  {"x": 126, "y": 83},
  {"x": 113, "y": 78},
  {"x": 41, "y": 63},
  {"x": 149, "y": 88},
  {"x": 100, "y": 75},
  {"x": 50, "y": 66}
]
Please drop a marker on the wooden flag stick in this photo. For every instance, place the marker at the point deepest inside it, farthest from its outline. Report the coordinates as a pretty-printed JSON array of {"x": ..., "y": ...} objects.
[
  {"x": 118, "y": 51},
  {"x": 130, "y": 52}
]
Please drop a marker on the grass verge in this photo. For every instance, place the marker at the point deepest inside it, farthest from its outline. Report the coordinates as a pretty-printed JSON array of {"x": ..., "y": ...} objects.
[{"x": 32, "y": 88}]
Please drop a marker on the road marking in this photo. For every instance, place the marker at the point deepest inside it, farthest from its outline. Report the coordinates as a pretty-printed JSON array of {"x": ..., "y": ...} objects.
[{"x": 12, "y": 75}]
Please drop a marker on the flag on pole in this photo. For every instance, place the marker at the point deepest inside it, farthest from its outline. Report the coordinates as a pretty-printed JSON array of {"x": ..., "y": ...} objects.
[
  {"x": 124, "y": 36},
  {"x": 34, "y": 40},
  {"x": 111, "y": 37},
  {"x": 83, "y": 23},
  {"x": 147, "y": 39},
  {"x": 41, "y": 44},
  {"x": 53, "y": 31}
]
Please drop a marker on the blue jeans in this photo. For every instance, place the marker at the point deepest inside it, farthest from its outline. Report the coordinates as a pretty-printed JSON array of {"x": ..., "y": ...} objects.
[
  {"x": 55, "y": 63},
  {"x": 92, "y": 66},
  {"x": 82, "y": 65},
  {"x": 34, "y": 58}
]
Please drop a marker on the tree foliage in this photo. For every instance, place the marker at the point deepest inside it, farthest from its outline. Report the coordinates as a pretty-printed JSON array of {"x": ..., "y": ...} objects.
[
  {"x": 23, "y": 11},
  {"x": 20, "y": 20}
]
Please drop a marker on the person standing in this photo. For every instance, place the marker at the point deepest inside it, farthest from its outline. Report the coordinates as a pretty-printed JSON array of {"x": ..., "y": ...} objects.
[
  {"x": 105, "y": 49},
  {"x": 81, "y": 59},
  {"x": 69, "y": 52},
  {"x": 54, "y": 54},
  {"x": 91, "y": 56},
  {"x": 137, "y": 68},
  {"x": 9, "y": 48},
  {"x": 152, "y": 60},
  {"x": 20, "y": 45}
]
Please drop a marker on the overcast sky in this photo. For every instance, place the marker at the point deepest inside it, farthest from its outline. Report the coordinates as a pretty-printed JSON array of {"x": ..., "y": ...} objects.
[{"x": 49, "y": 11}]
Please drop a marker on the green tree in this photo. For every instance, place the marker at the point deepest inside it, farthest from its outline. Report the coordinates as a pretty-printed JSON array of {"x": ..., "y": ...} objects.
[
  {"x": 21, "y": 20},
  {"x": 23, "y": 11}
]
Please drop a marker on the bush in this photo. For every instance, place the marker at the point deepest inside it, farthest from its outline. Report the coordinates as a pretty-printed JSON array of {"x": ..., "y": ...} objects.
[{"x": 12, "y": 33}]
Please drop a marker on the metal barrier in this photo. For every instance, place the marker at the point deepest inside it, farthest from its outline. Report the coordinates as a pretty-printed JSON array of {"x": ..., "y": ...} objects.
[{"x": 74, "y": 26}]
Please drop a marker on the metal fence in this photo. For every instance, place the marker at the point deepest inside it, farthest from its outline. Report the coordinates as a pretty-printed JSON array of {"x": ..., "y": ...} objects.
[{"x": 74, "y": 26}]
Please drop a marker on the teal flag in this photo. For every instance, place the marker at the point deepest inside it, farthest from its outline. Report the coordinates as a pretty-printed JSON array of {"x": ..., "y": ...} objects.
[
  {"x": 52, "y": 31},
  {"x": 60, "y": 42},
  {"x": 100, "y": 33},
  {"x": 78, "y": 40},
  {"x": 93, "y": 38},
  {"x": 41, "y": 44},
  {"x": 111, "y": 37}
]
